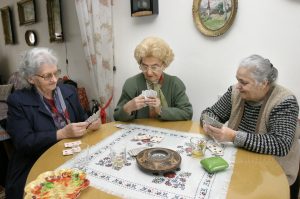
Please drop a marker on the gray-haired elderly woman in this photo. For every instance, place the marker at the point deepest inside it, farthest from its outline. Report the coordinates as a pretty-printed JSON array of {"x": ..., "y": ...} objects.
[
  {"x": 261, "y": 116},
  {"x": 39, "y": 115}
]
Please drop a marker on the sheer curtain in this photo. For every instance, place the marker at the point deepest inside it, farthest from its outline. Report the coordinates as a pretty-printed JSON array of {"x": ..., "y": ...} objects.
[{"x": 95, "y": 21}]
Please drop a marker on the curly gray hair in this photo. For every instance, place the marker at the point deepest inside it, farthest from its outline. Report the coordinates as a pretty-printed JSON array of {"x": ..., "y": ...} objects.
[
  {"x": 263, "y": 69},
  {"x": 32, "y": 60}
]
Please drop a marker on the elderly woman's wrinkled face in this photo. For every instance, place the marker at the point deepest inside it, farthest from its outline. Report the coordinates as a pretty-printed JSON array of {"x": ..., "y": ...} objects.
[
  {"x": 152, "y": 68},
  {"x": 249, "y": 89},
  {"x": 45, "y": 79}
]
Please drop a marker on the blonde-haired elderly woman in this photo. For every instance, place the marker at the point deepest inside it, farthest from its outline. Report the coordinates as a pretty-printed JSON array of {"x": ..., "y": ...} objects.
[{"x": 171, "y": 103}]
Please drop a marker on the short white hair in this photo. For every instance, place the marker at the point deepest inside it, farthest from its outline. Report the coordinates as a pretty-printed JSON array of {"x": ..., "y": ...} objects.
[
  {"x": 32, "y": 60},
  {"x": 263, "y": 69}
]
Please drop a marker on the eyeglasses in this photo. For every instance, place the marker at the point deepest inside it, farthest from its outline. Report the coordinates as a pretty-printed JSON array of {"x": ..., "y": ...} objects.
[
  {"x": 153, "y": 68},
  {"x": 49, "y": 76}
]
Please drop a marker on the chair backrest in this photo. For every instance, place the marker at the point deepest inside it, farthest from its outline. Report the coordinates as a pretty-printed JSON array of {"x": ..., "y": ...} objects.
[{"x": 16, "y": 80}]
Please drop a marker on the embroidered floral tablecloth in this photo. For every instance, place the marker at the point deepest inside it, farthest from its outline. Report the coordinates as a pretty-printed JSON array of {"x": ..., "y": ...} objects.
[{"x": 188, "y": 182}]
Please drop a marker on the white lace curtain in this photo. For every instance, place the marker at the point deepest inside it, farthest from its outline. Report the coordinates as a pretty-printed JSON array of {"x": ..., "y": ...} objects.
[{"x": 95, "y": 21}]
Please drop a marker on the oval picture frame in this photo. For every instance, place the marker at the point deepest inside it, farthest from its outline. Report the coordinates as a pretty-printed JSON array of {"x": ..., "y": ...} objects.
[
  {"x": 30, "y": 38},
  {"x": 214, "y": 17}
]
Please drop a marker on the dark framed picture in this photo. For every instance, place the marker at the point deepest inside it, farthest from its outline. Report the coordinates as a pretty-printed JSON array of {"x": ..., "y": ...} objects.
[
  {"x": 214, "y": 17},
  {"x": 54, "y": 21},
  {"x": 26, "y": 11},
  {"x": 7, "y": 25}
]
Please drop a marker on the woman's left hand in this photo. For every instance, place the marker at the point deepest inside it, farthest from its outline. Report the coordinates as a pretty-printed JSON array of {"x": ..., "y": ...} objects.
[
  {"x": 95, "y": 125},
  {"x": 223, "y": 134},
  {"x": 155, "y": 103},
  {"x": 152, "y": 101}
]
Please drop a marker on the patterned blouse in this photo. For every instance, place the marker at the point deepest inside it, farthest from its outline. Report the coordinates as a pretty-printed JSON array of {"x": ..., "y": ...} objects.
[{"x": 282, "y": 125}]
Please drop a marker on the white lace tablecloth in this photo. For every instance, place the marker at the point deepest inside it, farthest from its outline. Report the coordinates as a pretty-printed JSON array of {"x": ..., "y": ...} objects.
[{"x": 189, "y": 182}]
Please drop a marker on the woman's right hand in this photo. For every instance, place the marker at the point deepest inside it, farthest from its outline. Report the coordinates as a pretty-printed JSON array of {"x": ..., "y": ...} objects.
[
  {"x": 72, "y": 130},
  {"x": 134, "y": 104}
]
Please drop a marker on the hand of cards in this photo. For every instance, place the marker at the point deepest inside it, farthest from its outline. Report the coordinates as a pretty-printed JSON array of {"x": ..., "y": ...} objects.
[
  {"x": 93, "y": 118},
  {"x": 149, "y": 93},
  {"x": 211, "y": 121}
]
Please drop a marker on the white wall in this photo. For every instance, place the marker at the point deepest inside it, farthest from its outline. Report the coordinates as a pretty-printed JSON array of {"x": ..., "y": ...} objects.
[{"x": 207, "y": 65}]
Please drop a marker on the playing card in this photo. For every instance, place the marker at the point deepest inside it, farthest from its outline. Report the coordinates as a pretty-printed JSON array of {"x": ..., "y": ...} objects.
[
  {"x": 142, "y": 137},
  {"x": 121, "y": 126},
  {"x": 68, "y": 152},
  {"x": 156, "y": 139},
  {"x": 76, "y": 149},
  {"x": 211, "y": 121},
  {"x": 215, "y": 148},
  {"x": 72, "y": 144}
]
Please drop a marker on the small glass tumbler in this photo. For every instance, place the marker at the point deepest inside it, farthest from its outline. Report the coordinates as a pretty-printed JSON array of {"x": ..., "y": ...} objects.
[
  {"x": 198, "y": 147},
  {"x": 81, "y": 154},
  {"x": 118, "y": 156}
]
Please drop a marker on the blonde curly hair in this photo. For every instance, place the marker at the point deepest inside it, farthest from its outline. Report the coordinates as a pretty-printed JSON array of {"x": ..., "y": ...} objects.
[{"x": 154, "y": 47}]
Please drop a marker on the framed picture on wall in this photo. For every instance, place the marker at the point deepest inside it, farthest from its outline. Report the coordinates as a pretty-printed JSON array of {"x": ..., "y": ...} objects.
[
  {"x": 26, "y": 11},
  {"x": 54, "y": 21},
  {"x": 214, "y": 17},
  {"x": 7, "y": 25}
]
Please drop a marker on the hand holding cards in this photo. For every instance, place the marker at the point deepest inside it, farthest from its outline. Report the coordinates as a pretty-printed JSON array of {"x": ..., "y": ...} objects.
[
  {"x": 93, "y": 118},
  {"x": 211, "y": 121}
]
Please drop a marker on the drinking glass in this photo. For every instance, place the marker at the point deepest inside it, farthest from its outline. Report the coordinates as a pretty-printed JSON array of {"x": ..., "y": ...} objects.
[
  {"x": 118, "y": 156},
  {"x": 198, "y": 147},
  {"x": 81, "y": 154}
]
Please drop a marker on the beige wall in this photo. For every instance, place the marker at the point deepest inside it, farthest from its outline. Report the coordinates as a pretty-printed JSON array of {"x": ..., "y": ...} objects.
[{"x": 9, "y": 54}]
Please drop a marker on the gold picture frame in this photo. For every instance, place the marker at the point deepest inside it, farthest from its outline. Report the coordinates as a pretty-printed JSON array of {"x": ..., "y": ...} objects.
[
  {"x": 7, "y": 25},
  {"x": 26, "y": 11},
  {"x": 214, "y": 17},
  {"x": 54, "y": 21}
]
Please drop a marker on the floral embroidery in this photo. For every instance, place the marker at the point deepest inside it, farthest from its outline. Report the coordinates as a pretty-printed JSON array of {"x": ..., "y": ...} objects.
[
  {"x": 173, "y": 180},
  {"x": 184, "y": 183}
]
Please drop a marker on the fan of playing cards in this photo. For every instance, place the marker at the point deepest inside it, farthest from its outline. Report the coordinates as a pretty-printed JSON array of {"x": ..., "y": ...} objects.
[
  {"x": 149, "y": 93},
  {"x": 93, "y": 118},
  {"x": 211, "y": 121}
]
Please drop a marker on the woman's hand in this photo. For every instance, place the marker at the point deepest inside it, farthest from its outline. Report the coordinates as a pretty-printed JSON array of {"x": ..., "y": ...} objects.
[
  {"x": 94, "y": 125},
  {"x": 155, "y": 103},
  {"x": 223, "y": 134},
  {"x": 72, "y": 130},
  {"x": 134, "y": 104}
]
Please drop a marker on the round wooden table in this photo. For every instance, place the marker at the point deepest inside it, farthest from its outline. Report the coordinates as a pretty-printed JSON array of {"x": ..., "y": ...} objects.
[{"x": 254, "y": 175}]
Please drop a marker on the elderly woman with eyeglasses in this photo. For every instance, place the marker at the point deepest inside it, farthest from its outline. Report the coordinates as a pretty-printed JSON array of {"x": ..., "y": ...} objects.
[
  {"x": 171, "y": 102},
  {"x": 261, "y": 115},
  {"x": 39, "y": 115}
]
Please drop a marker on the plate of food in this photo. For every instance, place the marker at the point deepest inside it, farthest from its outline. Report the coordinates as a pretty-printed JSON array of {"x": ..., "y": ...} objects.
[
  {"x": 158, "y": 160},
  {"x": 64, "y": 183}
]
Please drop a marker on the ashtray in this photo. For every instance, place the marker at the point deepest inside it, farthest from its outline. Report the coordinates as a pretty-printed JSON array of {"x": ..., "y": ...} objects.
[{"x": 158, "y": 160}]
